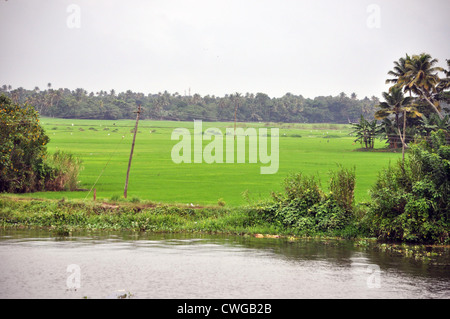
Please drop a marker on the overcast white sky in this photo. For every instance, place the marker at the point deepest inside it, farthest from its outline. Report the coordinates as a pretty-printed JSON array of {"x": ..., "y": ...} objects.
[{"x": 314, "y": 47}]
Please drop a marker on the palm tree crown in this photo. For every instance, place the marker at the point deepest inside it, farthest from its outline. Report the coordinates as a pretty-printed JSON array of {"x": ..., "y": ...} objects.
[
  {"x": 399, "y": 69},
  {"x": 395, "y": 102},
  {"x": 421, "y": 76}
]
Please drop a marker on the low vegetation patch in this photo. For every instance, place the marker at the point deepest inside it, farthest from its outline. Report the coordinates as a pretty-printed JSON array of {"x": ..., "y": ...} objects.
[{"x": 304, "y": 208}]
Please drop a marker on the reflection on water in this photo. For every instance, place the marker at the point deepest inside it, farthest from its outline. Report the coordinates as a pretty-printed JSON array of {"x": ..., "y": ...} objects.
[{"x": 34, "y": 264}]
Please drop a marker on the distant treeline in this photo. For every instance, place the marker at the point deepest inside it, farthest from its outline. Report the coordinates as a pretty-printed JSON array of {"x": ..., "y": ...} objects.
[{"x": 79, "y": 103}]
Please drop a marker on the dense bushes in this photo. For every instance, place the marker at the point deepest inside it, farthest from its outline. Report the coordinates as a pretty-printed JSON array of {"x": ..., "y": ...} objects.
[
  {"x": 22, "y": 148},
  {"x": 306, "y": 209},
  {"x": 24, "y": 164},
  {"x": 411, "y": 199}
]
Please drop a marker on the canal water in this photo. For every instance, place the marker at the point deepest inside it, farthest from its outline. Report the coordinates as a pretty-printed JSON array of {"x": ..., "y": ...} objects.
[{"x": 36, "y": 264}]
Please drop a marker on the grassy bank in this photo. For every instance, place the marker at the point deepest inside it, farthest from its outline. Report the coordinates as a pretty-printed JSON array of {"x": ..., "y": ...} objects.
[{"x": 61, "y": 217}]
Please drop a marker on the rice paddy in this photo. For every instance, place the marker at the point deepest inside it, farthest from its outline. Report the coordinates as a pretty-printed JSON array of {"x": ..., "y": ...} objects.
[{"x": 104, "y": 146}]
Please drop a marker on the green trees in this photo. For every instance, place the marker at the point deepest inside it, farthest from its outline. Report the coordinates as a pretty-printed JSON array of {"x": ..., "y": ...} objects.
[
  {"x": 257, "y": 107},
  {"x": 24, "y": 166},
  {"x": 410, "y": 200},
  {"x": 397, "y": 104},
  {"x": 444, "y": 83},
  {"x": 433, "y": 123},
  {"x": 22, "y": 148},
  {"x": 422, "y": 79},
  {"x": 418, "y": 77}
]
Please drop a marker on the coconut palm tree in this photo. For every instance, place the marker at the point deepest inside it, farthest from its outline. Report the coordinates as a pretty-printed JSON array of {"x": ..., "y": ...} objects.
[
  {"x": 397, "y": 104},
  {"x": 445, "y": 82},
  {"x": 422, "y": 79},
  {"x": 399, "y": 69}
]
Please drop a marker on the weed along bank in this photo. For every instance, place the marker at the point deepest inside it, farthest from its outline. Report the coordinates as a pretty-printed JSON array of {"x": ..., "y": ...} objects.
[{"x": 228, "y": 148}]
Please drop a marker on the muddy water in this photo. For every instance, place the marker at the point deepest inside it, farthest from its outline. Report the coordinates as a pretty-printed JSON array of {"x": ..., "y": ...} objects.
[{"x": 35, "y": 264}]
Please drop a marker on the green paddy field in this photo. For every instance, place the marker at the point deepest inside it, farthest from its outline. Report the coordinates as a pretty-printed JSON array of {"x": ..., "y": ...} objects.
[{"x": 104, "y": 146}]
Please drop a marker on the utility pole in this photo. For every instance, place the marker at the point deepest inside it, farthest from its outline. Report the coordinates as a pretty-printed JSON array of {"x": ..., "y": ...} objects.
[
  {"x": 236, "y": 104},
  {"x": 235, "y": 111},
  {"x": 132, "y": 148}
]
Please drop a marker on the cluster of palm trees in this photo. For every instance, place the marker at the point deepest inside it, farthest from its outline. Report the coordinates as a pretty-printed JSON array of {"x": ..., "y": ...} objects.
[{"x": 414, "y": 103}]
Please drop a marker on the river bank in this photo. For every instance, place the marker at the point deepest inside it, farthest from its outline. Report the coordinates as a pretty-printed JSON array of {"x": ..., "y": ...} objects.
[{"x": 62, "y": 218}]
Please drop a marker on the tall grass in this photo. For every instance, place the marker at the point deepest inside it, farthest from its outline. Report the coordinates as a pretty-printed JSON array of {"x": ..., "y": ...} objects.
[
  {"x": 342, "y": 187},
  {"x": 66, "y": 168}
]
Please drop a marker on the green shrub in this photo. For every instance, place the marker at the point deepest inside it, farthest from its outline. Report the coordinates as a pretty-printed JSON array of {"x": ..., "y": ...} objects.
[
  {"x": 297, "y": 186},
  {"x": 410, "y": 201},
  {"x": 342, "y": 187},
  {"x": 305, "y": 208},
  {"x": 135, "y": 199},
  {"x": 22, "y": 148},
  {"x": 329, "y": 215},
  {"x": 115, "y": 198},
  {"x": 23, "y": 163},
  {"x": 221, "y": 202}
]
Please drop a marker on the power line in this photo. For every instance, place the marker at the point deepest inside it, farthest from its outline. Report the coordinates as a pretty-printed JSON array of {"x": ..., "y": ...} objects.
[{"x": 107, "y": 163}]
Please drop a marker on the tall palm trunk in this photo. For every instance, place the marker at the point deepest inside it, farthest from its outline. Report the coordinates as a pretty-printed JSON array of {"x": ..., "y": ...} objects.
[
  {"x": 431, "y": 103},
  {"x": 403, "y": 138}
]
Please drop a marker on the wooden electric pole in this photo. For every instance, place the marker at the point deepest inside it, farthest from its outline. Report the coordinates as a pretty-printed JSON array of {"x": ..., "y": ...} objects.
[
  {"x": 236, "y": 104},
  {"x": 132, "y": 148}
]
